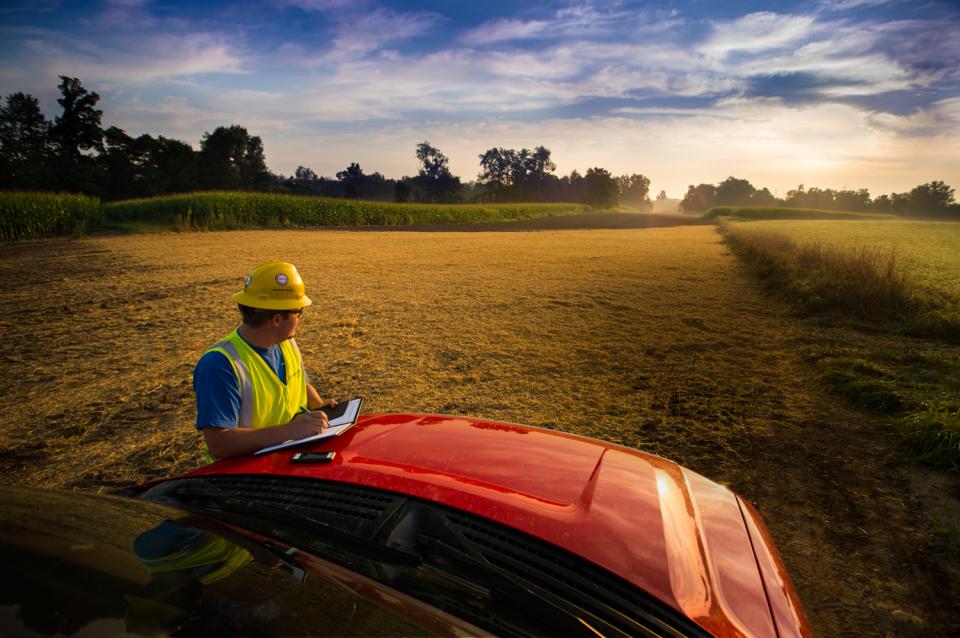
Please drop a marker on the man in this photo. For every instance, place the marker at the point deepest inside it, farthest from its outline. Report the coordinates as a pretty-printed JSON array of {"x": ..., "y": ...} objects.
[{"x": 251, "y": 387}]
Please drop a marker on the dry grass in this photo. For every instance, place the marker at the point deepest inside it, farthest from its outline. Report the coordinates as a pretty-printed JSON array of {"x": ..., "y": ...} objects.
[
  {"x": 862, "y": 280},
  {"x": 622, "y": 335},
  {"x": 653, "y": 339}
]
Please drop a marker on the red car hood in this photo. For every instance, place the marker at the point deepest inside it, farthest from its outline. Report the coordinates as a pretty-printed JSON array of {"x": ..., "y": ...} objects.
[{"x": 679, "y": 536}]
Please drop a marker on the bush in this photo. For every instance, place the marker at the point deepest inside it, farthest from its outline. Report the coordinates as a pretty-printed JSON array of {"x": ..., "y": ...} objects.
[{"x": 27, "y": 215}]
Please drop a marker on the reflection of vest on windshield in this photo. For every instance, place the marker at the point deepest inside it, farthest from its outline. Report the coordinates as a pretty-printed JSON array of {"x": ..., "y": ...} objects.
[
  {"x": 174, "y": 548},
  {"x": 264, "y": 399}
]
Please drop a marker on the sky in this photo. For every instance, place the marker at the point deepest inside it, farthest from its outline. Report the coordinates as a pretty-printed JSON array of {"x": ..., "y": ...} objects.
[{"x": 826, "y": 93}]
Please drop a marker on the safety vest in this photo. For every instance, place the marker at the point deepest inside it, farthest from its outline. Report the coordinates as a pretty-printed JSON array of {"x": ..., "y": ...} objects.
[{"x": 264, "y": 399}]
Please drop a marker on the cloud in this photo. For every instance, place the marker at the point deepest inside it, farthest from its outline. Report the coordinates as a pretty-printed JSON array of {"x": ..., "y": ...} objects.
[
  {"x": 576, "y": 22},
  {"x": 136, "y": 59},
  {"x": 506, "y": 29},
  {"x": 846, "y": 5},
  {"x": 372, "y": 31},
  {"x": 316, "y": 5},
  {"x": 756, "y": 32}
]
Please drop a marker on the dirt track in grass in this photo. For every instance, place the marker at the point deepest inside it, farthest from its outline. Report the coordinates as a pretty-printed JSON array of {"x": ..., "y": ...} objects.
[{"x": 652, "y": 338}]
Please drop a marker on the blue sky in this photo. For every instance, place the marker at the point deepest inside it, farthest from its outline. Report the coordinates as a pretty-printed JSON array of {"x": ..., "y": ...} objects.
[{"x": 832, "y": 93}]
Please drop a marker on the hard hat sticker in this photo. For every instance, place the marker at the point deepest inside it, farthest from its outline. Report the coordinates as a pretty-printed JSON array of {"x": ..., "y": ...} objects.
[
  {"x": 249, "y": 281},
  {"x": 281, "y": 279}
]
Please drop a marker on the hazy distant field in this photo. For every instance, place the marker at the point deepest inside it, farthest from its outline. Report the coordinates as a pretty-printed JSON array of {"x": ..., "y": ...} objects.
[
  {"x": 657, "y": 339},
  {"x": 929, "y": 252}
]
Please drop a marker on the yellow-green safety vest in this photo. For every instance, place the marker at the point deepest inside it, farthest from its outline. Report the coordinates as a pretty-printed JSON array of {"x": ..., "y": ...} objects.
[{"x": 264, "y": 399}]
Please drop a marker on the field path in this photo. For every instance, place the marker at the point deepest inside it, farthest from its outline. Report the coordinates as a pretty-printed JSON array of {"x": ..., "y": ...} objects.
[{"x": 652, "y": 338}]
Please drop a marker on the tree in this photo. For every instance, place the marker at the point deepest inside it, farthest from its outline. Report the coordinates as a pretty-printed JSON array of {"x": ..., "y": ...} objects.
[
  {"x": 304, "y": 174},
  {"x": 78, "y": 127},
  {"x": 934, "y": 198},
  {"x": 123, "y": 160},
  {"x": 510, "y": 175},
  {"x": 254, "y": 174},
  {"x": 600, "y": 188},
  {"x": 174, "y": 167},
  {"x": 352, "y": 179},
  {"x": 734, "y": 192},
  {"x": 26, "y": 149},
  {"x": 76, "y": 133},
  {"x": 231, "y": 159},
  {"x": 635, "y": 189},
  {"x": 699, "y": 199},
  {"x": 434, "y": 165},
  {"x": 662, "y": 196},
  {"x": 434, "y": 181}
]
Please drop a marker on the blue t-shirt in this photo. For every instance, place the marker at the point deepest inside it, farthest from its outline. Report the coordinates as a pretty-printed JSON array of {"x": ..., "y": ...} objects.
[{"x": 218, "y": 390}]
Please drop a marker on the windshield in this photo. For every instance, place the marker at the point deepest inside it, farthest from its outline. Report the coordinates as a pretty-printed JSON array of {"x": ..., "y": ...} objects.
[
  {"x": 490, "y": 575},
  {"x": 79, "y": 565}
]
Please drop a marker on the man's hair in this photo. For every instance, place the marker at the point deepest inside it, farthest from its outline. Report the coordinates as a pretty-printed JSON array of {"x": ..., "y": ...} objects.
[{"x": 256, "y": 317}]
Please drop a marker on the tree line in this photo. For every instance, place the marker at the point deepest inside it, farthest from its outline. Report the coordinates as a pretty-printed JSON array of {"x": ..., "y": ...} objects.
[
  {"x": 74, "y": 153},
  {"x": 932, "y": 199}
]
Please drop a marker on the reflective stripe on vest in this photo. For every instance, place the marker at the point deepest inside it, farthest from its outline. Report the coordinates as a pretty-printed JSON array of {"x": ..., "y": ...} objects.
[{"x": 245, "y": 420}]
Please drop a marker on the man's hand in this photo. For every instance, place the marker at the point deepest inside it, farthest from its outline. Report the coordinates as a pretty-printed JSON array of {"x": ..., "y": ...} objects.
[{"x": 307, "y": 424}]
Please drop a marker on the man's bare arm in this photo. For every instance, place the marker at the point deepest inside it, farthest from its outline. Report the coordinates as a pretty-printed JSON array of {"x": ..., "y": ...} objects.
[
  {"x": 314, "y": 401},
  {"x": 226, "y": 442}
]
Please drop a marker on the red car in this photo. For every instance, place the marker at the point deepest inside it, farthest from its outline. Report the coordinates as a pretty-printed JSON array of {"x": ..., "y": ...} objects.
[{"x": 460, "y": 526}]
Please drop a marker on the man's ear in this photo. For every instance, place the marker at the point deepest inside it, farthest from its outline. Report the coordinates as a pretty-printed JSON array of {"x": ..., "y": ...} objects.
[{"x": 275, "y": 319}]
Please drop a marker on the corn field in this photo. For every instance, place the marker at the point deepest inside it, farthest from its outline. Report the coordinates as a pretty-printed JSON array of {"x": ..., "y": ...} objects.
[
  {"x": 26, "y": 215},
  {"x": 224, "y": 210}
]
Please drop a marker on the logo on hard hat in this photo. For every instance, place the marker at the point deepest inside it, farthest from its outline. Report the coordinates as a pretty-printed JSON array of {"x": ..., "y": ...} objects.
[
  {"x": 281, "y": 279},
  {"x": 249, "y": 281}
]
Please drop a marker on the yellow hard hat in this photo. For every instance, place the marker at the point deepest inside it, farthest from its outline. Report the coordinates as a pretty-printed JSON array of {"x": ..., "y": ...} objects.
[{"x": 275, "y": 285}]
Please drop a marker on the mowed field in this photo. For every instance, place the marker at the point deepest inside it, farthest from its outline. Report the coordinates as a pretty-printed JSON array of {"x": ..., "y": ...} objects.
[{"x": 652, "y": 338}]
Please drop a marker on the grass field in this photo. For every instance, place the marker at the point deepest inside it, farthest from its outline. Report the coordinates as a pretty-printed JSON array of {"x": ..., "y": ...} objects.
[
  {"x": 656, "y": 339},
  {"x": 928, "y": 252},
  {"x": 897, "y": 278}
]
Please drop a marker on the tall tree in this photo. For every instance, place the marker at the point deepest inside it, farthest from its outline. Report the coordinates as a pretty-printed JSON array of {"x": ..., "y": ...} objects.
[
  {"x": 933, "y": 198},
  {"x": 76, "y": 133},
  {"x": 699, "y": 199},
  {"x": 600, "y": 188},
  {"x": 254, "y": 174},
  {"x": 635, "y": 190},
  {"x": 174, "y": 166},
  {"x": 223, "y": 158},
  {"x": 734, "y": 192},
  {"x": 510, "y": 175},
  {"x": 352, "y": 179},
  {"x": 434, "y": 181},
  {"x": 25, "y": 146}
]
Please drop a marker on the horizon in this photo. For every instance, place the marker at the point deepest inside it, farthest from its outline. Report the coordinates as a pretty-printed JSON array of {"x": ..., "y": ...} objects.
[{"x": 841, "y": 94}]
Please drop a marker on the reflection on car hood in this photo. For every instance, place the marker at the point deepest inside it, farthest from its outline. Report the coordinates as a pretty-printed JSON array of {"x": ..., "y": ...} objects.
[{"x": 666, "y": 529}]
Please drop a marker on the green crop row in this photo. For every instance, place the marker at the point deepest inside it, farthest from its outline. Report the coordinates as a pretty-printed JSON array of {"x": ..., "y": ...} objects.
[
  {"x": 25, "y": 215},
  {"x": 747, "y": 212},
  {"x": 217, "y": 210}
]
